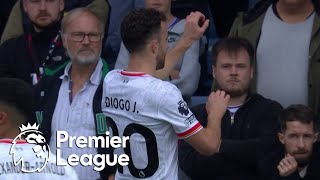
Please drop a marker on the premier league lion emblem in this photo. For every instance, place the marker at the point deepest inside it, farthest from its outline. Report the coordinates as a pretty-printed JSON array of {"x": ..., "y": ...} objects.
[
  {"x": 183, "y": 108},
  {"x": 40, "y": 149}
]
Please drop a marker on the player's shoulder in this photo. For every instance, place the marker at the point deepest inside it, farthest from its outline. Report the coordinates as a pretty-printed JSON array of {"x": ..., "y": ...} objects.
[
  {"x": 162, "y": 87},
  {"x": 112, "y": 73}
]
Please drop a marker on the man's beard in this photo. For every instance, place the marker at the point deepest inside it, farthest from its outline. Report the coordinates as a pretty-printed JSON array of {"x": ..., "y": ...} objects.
[
  {"x": 236, "y": 93},
  {"x": 92, "y": 58},
  {"x": 45, "y": 26}
]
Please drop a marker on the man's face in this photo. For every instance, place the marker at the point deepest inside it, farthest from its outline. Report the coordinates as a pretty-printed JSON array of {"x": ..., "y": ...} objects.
[
  {"x": 83, "y": 39},
  {"x": 233, "y": 72},
  {"x": 159, "y": 5},
  {"x": 298, "y": 140},
  {"x": 43, "y": 13},
  {"x": 163, "y": 45}
]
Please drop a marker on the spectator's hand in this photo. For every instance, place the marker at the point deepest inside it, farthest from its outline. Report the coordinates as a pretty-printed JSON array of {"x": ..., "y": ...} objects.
[
  {"x": 196, "y": 25},
  {"x": 287, "y": 166},
  {"x": 217, "y": 104},
  {"x": 111, "y": 177}
]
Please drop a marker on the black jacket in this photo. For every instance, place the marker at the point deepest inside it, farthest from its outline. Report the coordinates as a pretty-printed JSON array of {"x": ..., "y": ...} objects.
[
  {"x": 255, "y": 128},
  {"x": 46, "y": 95},
  {"x": 268, "y": 166},
  {"x": 22, "y": 56}
]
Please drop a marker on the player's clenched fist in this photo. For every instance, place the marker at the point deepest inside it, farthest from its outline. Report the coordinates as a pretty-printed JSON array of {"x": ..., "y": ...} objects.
[
  {"x": 217, "y": 104},
  {"x": 287, "y": 166},
  {"x": 196, "y": 25}
]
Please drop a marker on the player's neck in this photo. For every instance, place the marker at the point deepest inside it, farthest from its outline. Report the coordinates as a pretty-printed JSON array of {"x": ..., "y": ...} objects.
[
  {"x": 11, "y": 134},
  {"x": 139, "y": 63}
]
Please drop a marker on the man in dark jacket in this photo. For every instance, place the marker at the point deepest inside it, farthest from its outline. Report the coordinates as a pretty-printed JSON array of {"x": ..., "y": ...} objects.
[
  {"x": 28, "y": 56},
  {"x": 249, "y": 125},
  {"x": 299, "y": 155}
]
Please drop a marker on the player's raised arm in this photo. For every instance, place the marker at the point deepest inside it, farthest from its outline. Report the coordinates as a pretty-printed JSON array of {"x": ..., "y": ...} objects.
[
  {"x": 196, "y": 25},
  {"x": 207, "y": 140}
]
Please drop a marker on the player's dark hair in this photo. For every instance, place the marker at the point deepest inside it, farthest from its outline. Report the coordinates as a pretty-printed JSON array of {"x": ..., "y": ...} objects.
[
  {"x": 232, "y": 46},
  {"x": 16, "y": 94},
  {"x": 139, "y": 26},
  {"x": 297, "y": 112}
]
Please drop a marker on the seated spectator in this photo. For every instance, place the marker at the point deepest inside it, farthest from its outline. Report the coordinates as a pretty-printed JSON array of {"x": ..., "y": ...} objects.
[
  {"x": 186, "y": 73},
  {"x": 70, "y": 99},
  {"x": 299, "y": 155},
  {"x": 15, "y": 107},
  {"x": 18, "y": 22},
  {"x": 250, "y": 122},
  {"x": 34, "y": 54}
]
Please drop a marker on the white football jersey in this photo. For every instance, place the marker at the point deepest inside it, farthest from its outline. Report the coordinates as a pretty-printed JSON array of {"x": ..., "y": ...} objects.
[
  {"x": 8, "y": 171},
  {"x": 154, "y": 115}
]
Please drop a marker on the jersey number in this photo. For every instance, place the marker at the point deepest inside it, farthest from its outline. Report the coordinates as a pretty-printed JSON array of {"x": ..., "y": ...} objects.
[{"x": 151, "y": 143}]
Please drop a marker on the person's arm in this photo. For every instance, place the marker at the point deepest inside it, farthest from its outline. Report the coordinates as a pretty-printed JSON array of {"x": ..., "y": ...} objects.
[
  {"x": 188, "y": 77},
  {"x": 207, "y": 141},
  {"x": 192, "y": 32},
  {"x": 14, "y": 26}
]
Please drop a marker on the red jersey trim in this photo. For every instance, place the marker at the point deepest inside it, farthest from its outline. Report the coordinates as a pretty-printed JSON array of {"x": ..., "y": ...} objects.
[
  {"x": 9, "y": 141},
  {"x": 127, "y": 73},
  {"x": 190, "y": 132}
]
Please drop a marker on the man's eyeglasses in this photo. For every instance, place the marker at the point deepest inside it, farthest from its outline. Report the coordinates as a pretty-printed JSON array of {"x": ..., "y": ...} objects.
[{"x": 79, "y": 36}]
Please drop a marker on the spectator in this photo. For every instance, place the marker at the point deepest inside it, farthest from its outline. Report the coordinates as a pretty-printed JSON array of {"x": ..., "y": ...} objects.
[
  {"x": 18, "y": 22},
  {"x": 249, "y": 125},
  {"x": 70, "y": 99},
  {"x": 33, "y": 54},
  {"x": 286, "y": 41},
  {"x": 119, "y": 9},
  {"x": 15, "y": 107},
  {"x": 299, "y": 155},
  {"x": 186, "y": 73}
]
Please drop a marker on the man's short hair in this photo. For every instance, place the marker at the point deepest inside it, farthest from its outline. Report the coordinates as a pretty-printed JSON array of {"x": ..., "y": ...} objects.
[
  {"x": 232, "y": 46},
  {"x": 75, "y": 13},
  {"x": 297, "y": 112},
  {"x": 17, "y": 94},
  {"x": 139, "y": 26}
]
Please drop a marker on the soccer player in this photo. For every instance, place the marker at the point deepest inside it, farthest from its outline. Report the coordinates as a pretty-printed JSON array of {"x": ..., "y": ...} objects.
[
  {"x": 151, "y": 111},
  {"x": 15, "y": 107}
]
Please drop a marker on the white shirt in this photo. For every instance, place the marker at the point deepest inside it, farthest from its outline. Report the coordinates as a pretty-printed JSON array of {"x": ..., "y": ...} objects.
[
  {"x": 154, "y": 115},
  {"x": 10, "y": 172},
  {"x": 76, "y": 118}
]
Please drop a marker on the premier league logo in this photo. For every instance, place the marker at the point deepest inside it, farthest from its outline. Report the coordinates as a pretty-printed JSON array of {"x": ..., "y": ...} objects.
[
  {"x": 183, "y": 108},
  {"x": 40, "y": 149}
]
